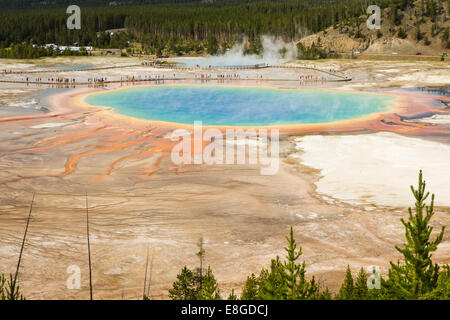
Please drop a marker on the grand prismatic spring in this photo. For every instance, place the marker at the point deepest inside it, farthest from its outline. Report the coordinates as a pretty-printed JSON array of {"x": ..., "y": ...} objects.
[{"x": 240, "y": 106}]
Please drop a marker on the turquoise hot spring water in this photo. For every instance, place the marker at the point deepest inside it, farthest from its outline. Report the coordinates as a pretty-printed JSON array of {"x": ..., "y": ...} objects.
[{"x": 240, "y": 106}]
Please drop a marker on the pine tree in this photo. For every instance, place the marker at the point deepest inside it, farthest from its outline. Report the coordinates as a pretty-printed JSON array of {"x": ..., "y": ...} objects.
[
  {"x": 286, "y": 280},
  {"x": 442, "y": 291},
  {"x": 273, "y": 286},
  {"x": 433, "y": 29},
  {"x": 361, "y": 291},
  {"x": 432, "y": 11},
  {"x": 401, "y": 33},
  {"x": 393, "y": 14},
  {"x": 9, "y": 291},
  {"x": 185, "y": 287},
  {"x": 201, "y": 256},
  {"x": 346, "y": 292},
  {"x": 418, "y": 34},
  {"x": 445, "y": 38},
  {"x": 212, "y": 45},
  {"x": 325, "y": 295},
  {"x": 209, "y": 289},
  {"x": 417, "y": 276},
  {"x": 251, "y": 288},
  {"x": 232, "y": 296}
]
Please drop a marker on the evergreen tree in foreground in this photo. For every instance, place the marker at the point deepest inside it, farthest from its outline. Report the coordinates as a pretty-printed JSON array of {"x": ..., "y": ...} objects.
[
  {"x": 361, "y": 291},
  {"x": 253, "y": 286},
  {"x": 417, "y": 277},
  {"x": 187, "y": 286},
  {"x": 7, "y": 289},
  {"x": 286, "y": 280},
  {"x": 354, "y": 289},
  {"x": 195, "y": 285},
  {"x": 232, "y": 296},
  {"x": 346, "y": 292},
  {"x": 442, "y": 291},
  {"x": 209, "y": 289},
  {"x": 184, "y": 288}
]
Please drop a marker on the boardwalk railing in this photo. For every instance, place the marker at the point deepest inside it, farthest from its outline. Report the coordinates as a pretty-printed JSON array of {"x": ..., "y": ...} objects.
[
  {"x": 338, "y": 76},
  {"x": 68, "y": 70}
]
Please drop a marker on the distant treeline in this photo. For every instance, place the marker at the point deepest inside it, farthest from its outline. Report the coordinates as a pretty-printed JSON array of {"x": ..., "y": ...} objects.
[
  {"x": 27, "y": 51},
  {"x": 39, "y": 4},
  {"x": 177, "y": 27},
  {"x": 183, "y": 27}
]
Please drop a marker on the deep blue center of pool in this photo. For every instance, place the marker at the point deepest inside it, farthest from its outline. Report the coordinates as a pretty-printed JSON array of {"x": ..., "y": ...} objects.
[{"x": 240, "y": 106}]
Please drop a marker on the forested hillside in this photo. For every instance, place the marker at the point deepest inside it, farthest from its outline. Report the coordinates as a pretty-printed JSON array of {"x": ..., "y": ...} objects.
[
  {"x": 42, "y": 4},
  {"x": 177, "y": 26},
  {"x": 407, "y": 27},
  {"x": 185, "y": 27}
]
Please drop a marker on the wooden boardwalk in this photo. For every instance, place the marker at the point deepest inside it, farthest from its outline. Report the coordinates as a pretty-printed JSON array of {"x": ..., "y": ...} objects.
[
  {"x": 71, "y": 84},
  {"x": 339, "y": 77},
  {"x": 70, "y": 70}
]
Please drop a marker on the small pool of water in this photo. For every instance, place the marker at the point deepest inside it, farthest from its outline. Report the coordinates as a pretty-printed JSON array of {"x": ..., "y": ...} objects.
[
  {"x": 240, "y": 106},
  {"x": 72, "y": 68},
  {"x": 223, "y": 61},
  {"x": 65, "y": 68}
]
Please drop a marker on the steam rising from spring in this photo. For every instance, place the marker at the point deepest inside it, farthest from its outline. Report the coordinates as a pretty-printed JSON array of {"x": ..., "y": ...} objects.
[{"x": 271, "y": 54}]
